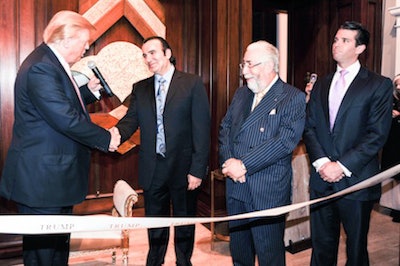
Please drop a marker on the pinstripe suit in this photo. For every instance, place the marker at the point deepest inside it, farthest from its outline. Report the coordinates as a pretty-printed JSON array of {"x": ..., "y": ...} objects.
[{"x": 263, "y": 140}]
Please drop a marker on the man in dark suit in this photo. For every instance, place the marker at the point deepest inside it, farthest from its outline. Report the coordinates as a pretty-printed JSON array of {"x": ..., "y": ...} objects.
[
  {"x": 258, "y": 134},
  {"x": 172, "y": 110},
  {"x": 348, "y": 121},
  {"x": 47, "y": 166}
]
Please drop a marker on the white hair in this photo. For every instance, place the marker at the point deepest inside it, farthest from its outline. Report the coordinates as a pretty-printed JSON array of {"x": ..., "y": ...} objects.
[{"x": 268, "y": 52}]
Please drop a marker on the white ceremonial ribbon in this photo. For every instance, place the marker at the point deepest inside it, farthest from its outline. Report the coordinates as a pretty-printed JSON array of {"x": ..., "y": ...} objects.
[{"x": 52, "y": 224}]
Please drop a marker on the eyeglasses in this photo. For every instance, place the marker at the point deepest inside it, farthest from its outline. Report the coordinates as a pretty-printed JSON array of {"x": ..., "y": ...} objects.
[{"x": 249, "y": 64}]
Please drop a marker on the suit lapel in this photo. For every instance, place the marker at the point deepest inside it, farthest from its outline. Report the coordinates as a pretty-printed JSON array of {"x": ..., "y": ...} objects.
[
  {"x": 55, "y": 60},
  {"x": 246, "y": 104},
  {"x": 150, "y": 94},
  {"x": 173, "y": 87},
  {"x": 267, "y": 105},
  {"x": 354, "y": 89},
  {"x": 325, "y": 88}
]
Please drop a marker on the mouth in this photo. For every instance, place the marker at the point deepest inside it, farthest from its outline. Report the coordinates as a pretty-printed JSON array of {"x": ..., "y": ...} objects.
[
  {"x": 248, "y": 77},
  {"x": 151, "y": 65}
]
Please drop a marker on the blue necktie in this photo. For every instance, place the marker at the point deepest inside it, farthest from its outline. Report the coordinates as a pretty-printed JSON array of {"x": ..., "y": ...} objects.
[{"x": 160, "y": 102}]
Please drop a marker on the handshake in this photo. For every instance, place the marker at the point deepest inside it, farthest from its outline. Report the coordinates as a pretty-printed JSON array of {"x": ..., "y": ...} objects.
[{"x": 115, "y": 139}]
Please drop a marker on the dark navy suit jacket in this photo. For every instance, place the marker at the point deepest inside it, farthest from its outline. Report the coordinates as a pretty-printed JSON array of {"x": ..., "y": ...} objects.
[
  {"x": 264, "y": 140},
  {"x": 360, "y": 131},
  {"x": 48, "y": 161}
]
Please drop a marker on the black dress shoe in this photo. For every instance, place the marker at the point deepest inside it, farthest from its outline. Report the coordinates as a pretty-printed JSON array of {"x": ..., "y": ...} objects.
[{"x": 396, "y": 216}]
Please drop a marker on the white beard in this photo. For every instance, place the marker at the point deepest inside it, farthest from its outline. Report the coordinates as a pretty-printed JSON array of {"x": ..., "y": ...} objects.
[{"x": 253, "y": 86}]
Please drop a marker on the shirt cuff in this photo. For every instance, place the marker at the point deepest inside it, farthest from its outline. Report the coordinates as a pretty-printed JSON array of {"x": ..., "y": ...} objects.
[
  {"x": 320, "y": 162},
  {"x": 97, "y": 94},
  {"x": 346, "y": 171}
]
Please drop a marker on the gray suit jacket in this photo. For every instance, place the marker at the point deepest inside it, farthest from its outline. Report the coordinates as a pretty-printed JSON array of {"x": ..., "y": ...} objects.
[{"x": 264, "y": 140}]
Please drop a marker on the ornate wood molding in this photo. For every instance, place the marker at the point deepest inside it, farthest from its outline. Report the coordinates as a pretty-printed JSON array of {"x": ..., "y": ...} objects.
[{"x": 147, "y": 16}]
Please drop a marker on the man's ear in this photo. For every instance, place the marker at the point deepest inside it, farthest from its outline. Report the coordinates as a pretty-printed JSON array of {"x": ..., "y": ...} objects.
[
  {"x": 361, "y": 48},
  {"x": 168, "y": 53},
  {"x": 269, "y": 65},
  {"x": 65, "y": 43}
]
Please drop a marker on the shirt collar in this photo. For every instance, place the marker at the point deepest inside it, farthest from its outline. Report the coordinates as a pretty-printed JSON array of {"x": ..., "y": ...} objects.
[
  {"x": 167, "y": 76},
  {"x": 60, "y": 59},
  {"x": 264, "y": 91},
  {"x": 351, "y": 74},
  {"x": 352, "y": 69}
]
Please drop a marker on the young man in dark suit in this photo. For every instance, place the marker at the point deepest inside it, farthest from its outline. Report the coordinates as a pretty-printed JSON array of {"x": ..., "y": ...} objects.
[
  {"x": 348, "y": 121},
  {"x": 172, "y": 110},
  {"x": 47, "y": 165},
  {"x": 258, "y": 134}
]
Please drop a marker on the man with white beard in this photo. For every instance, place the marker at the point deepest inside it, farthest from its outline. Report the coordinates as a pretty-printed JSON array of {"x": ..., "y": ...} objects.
[{"x": 258, "y": 134}]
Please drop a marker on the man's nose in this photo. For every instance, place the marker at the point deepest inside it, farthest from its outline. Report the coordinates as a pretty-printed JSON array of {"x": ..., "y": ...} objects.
[{"x": 245, "y": 69}]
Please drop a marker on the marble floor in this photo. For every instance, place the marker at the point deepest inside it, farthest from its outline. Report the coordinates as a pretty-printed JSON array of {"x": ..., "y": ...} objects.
[{"x": 383, "y": 248}]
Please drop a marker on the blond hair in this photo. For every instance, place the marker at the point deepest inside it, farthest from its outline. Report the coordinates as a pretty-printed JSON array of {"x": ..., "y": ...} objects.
[{"x": 64, "y": 24}]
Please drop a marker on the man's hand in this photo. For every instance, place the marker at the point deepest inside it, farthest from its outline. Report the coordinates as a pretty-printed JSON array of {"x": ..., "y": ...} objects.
[
  {"x": 94, "y": 84},
  {"x": 331, "y": 172},
  {"x": 308, "y": 90},
  {"x": 115, "y": 139},
  {"x": 235, "y": 169},
  {"x": 193, "y": 182},
  {"x": 241, "y": 179}
]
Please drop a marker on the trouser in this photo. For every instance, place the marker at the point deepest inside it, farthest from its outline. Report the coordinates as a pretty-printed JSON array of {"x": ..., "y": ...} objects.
[
  {"x": 45, "y": 250},
  {"x": 325, "y": 220}
]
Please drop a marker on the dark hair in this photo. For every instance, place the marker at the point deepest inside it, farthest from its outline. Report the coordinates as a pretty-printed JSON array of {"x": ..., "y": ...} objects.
[
  {"x": 165, "y": 46},
  {"x": 362, "y": 33}
]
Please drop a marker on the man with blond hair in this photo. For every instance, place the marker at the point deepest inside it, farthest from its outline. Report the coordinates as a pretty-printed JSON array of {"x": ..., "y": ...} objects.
[{"x": 47, "y": 166}]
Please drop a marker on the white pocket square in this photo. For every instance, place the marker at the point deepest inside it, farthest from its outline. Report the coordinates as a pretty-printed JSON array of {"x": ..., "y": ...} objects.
[{"x": 273, "y": 112}]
